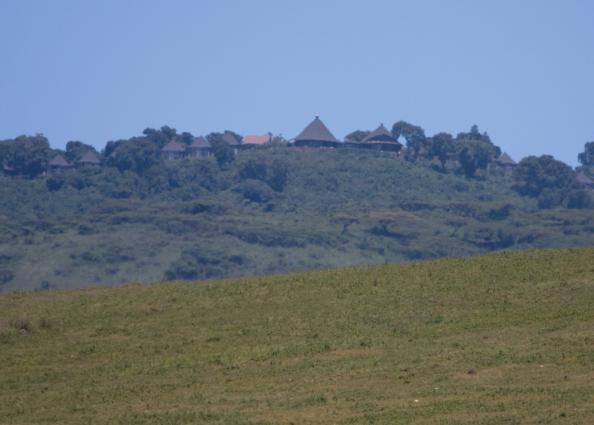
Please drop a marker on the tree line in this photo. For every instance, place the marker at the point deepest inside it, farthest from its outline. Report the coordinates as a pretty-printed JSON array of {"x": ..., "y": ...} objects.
[{"x": 470, "y": 153}]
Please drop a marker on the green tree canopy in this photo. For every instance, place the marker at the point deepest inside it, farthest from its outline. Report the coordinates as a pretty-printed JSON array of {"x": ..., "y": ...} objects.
[
  {"x": 75, "y": 150},
  {"x": 442, "y": 146},
  {"x": 223, "y": 152},
  {"x": 26, "y": 155},
  {"x": 414, "y": 136},
  {"x": 475, "y": 135},
  {"x": 544, "y": 178},
  {"x": 587, "y": 156},
  {"x": 357, "y": 135},
  {"x": 474, "y": 155},
  {"x": 161, "y": 136},
  {"x": 137, "y": 154}
]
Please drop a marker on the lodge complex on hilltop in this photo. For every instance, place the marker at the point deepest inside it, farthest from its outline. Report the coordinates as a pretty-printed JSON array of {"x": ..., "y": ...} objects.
[{"x": 315, "y": 136}]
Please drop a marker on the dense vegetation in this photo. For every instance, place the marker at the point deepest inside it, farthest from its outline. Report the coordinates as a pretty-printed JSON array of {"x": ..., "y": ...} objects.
[
  {"x": 273, "y": 209},
  {"x": 501, "y": 339}
]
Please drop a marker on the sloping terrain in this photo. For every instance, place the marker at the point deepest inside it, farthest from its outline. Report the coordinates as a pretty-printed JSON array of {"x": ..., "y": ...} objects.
[
  {"x": 191, "y": 220},
  {"x": 506, "y": 338}
]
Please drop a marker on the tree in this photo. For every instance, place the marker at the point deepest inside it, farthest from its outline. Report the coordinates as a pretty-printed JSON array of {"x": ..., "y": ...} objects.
[
  {"x": 27, "y": 155},
  {"x": 186, "y": 138},
  {"x": 357, "y": 135},
  {"x": 442, "y": 146},
  {"x": 278, "y": 175},
  {"x": 587, "y": 156},
  {"x": 223, "y": 152},
  {"x": 544, "y": 178},
  {"x": 579, "y": 199},
  {"x": 414, "y": 136},
  {"x": 160, "y": 137},
  {"x": 475, "y": 135},
  {"x": 137, "y": 154},
  {"x": 110, "y": 147},
  {"x": 275, "y": 174},
  {"x": 474, "y": 155},
  {"x": 253, "y": 169},
  {"x": 75, "y": 150}
]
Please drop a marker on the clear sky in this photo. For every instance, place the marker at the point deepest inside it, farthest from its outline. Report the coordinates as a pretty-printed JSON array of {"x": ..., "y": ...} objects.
[{"x": 106, "y": 69}]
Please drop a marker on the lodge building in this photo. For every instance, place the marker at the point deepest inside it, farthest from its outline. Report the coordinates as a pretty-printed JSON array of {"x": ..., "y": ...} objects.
[{"x": 316, "y": 135}]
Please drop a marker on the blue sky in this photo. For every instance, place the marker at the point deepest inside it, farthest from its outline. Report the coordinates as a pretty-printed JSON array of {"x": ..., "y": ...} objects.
[{"x": 101, "y": 70}]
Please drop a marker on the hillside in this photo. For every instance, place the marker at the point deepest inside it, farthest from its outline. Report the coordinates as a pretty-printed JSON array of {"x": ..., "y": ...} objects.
[
  {"x": 191, "y": 220},
  {"x": 504, "y": 338}
]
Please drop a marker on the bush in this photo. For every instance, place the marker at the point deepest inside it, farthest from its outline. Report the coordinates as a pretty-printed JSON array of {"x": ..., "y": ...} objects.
[
  {"x": 544, "y": 178},
  {"x": 255, "y": 191},
  {"x": 22, "y": 324},
  {"x": 196, "y": 264},
  {"x": 54, "y": 183},
  {"x": 275, "y": 174},
  {"x": 580, "y": 199},
  {"x": 5, "y": 276}
]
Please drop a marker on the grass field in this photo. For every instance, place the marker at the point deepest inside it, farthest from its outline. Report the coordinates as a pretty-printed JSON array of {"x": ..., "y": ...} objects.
[{"x": 507, "y": 338}]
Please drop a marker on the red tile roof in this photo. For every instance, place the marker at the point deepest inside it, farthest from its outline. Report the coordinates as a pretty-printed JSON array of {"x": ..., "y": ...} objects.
[{"x": 257, "y": 140}]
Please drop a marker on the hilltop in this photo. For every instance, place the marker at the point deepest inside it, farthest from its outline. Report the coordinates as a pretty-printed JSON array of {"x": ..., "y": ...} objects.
[
  {"x": 271, "y": 210},
  {"x": 504, "y": 338}
]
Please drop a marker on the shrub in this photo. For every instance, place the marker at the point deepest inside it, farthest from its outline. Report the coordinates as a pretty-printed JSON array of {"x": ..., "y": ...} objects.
[
  {"x": 22, "y": 324},
  {"x": 54, "y": 183},
  {"x": 255, "y": 191},
  {"x": 580, "y": 199},
  {"x": 5, "y": 276}
]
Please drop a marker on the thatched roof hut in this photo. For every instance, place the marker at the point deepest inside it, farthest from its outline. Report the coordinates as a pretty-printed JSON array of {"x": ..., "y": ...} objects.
[
  {"x": 173, "y": 150},
  {"x": 506, "y": 160},
  {"x": 90, "y": 158},
  {"x": 380, "y": 134},
  {"x": 59, "y": 161},
  {"x": 200, "y": 142},
  {"x": 231, "y": 139},
  {"x": 316, "y": 134},
  {"x": 200, "y": 147}
]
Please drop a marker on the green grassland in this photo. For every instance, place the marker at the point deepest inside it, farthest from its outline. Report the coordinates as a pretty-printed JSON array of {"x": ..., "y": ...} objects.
[
  {"x": 190, "y": 220},
  {"x": 506, "y": 338}
]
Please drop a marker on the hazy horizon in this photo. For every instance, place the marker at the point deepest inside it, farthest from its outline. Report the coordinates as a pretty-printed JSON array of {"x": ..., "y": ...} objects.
[{"x": 107, "y": 70}]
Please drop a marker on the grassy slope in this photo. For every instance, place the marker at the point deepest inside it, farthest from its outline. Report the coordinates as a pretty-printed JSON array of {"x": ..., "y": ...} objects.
[
  {"x": 382, "y": 344},
  {"x": 338, "y": 208}
]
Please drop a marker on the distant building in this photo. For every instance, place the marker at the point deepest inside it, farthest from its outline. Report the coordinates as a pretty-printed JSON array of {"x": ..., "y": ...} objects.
[
  {"x": 59, "y": 163},
  {"x": 506, "y": 162},
  {"x": 199, "y": 148},
  {"x": 316, "y": 134},
  {"x": 381, "y": 139},
  {"x": 251, "y": 141},
  {"x": 90, "y": 159},
  {"x": 584, "y": 180},
  {"x": 173, "y": 150}
]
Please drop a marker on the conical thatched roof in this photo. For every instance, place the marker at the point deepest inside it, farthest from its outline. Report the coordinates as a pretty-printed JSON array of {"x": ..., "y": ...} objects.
[
  {"x": 316, "y": 131},
  {"x": 59, "y": 161},
  {"x": 200, "y": 142},
  {"x": 505, "y": 159},
  {"x": 230, "y": 138},
  {"x": 173, "y": 146},
  {"x": 380, "y": 134},
  {"x": 90, "y": 158}
]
